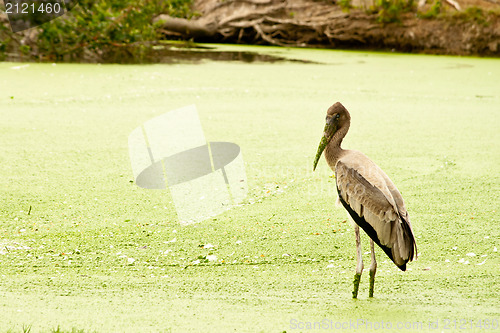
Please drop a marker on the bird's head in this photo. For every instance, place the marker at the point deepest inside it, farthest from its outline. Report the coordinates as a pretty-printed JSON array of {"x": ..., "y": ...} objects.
[{"x": 336, "y": 117}]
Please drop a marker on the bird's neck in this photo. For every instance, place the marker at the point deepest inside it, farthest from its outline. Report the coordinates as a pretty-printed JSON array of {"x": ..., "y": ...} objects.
[{"x": 333, "y": 151}]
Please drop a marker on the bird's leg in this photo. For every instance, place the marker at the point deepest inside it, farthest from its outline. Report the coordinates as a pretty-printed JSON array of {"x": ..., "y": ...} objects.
[
  {"x": 373, "y": 269},
  {"x": 359, "y": 264}
]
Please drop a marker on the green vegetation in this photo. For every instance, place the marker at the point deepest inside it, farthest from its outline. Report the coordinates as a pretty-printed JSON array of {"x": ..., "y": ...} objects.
[
  {"x": 99, "y": 29},
  {"x": 82, "y": 248},
  {"x": 346, "y": 5},
  {"x": 474, "y": 14},
  {"x": 104, "y": 27},
  {"x": 390, "y": 11},
  {"x": 433, "y": 12},
  {"x": 468, "y": 15}
]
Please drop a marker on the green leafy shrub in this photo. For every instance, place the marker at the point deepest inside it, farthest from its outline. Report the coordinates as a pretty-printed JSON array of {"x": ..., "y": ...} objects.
[
  {"x": 103, "y": 29},
  {"x": 106, "y": 28},
  {"x": 390, "y": 11},
  {"x": 473, "y": 14},
  {"x": 433, "y": 12}
]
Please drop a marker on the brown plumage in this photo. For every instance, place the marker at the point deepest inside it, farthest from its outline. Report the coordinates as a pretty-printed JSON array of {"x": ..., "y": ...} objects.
[{"x": 367, "y": 193}]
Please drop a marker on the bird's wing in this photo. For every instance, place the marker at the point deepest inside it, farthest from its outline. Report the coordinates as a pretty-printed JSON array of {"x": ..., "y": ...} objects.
[{"x": 367, "y": 194}]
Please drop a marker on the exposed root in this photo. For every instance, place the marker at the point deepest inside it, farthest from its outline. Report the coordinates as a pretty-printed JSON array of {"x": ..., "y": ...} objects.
[{"x": 322, "y": 23}]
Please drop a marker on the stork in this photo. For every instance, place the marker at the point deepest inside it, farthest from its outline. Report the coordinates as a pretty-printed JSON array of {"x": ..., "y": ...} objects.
[{"x": 369, "y": 196}]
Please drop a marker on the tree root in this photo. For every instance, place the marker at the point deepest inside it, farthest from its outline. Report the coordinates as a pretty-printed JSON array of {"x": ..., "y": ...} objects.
[{"x": 320, "y": 23}]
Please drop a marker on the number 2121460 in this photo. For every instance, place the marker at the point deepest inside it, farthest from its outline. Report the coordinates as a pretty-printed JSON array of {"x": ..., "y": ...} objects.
[
  {"x": 32, "y": 8},
  {"x": 464, "y": 324}
]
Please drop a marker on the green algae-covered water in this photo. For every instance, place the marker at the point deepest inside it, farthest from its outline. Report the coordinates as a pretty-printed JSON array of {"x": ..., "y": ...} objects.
[{"x": 83, "y": 248}]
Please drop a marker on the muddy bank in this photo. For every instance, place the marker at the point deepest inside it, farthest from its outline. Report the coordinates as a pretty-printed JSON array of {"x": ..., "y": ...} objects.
[{"x": 310, "y": 23}]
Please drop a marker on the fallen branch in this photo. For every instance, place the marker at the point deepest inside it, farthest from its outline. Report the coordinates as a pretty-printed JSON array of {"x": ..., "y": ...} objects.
[{"x": 187, "y": 28}]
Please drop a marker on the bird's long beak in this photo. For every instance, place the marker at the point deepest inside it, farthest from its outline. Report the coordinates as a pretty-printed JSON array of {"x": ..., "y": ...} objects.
[{"x": 328, "y": 132}]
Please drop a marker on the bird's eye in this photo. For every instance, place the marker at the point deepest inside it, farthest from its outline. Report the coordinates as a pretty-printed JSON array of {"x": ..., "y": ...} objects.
[{"x": 337, "y": 116}]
